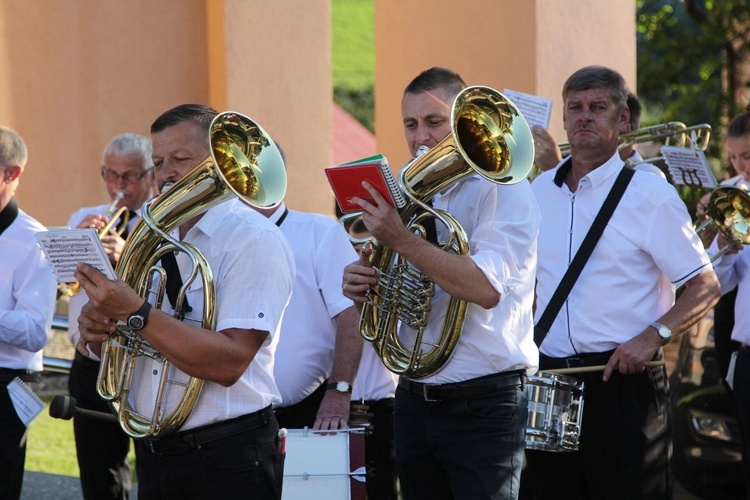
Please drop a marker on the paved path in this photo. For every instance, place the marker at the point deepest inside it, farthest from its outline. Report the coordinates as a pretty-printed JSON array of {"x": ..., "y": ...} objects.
[{"x": 41, "y": 486}]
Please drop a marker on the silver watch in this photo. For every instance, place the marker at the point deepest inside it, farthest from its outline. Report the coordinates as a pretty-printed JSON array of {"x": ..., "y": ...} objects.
[
  {"x": 340, "y": 386},
  {"x": 664, "y": 332}
]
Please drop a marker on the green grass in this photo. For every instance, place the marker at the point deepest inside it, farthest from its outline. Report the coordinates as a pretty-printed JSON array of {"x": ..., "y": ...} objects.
[
  {"x": 353, "y": 41},
  {"x": 51, "y": 447}
]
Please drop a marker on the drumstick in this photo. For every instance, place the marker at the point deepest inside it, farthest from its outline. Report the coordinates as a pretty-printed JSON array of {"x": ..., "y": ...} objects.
[{"x": 597, "y": 368}]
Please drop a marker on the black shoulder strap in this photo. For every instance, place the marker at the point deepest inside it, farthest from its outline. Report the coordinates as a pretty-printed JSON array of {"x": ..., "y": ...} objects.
[{"x": 582, "y": 255}]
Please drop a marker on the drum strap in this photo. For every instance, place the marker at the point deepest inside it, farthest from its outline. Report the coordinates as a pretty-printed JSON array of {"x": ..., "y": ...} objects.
[{"x": 582, "y": 255}]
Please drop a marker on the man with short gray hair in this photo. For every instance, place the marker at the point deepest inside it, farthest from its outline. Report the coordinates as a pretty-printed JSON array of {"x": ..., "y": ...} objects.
[{"x": 27, "y": 302}]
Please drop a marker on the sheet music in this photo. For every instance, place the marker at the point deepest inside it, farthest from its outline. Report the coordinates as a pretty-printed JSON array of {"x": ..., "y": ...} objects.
[
  {"x": 535, "y": 109},
  {"x": 65, "y": 248},
  {"x": 689, "y": 167},
  {"x": 26, "y": 403}
]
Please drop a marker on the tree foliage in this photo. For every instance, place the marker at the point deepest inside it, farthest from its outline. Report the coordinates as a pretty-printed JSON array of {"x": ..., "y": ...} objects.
[{"x": 690, "y": 59}]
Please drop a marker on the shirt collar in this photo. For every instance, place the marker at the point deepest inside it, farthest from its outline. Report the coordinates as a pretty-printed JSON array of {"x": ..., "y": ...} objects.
[
  {"x": 213, "y": 217},
  {"x": 598, "y": 176},
  {"x": 274, "y": 217}
]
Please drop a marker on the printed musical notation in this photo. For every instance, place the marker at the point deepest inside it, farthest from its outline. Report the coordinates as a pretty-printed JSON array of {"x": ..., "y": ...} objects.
[
  {"x": 535, "y": 109},
  {"x": 65, "y": 248},
  {"x": 689, "y": 167}
]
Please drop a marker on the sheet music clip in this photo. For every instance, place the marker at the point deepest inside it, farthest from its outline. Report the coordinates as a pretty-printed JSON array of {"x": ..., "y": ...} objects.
[{"x": 694, "y": 142}]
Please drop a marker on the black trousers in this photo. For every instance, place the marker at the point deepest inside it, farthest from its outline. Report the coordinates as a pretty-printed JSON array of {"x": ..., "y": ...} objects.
[
  {"x": 12, "y": 447},
  {"x": 742, "y": 403},
  {"x": 102, "y": 447},
  {"x": 235, "y": 459},
  {"x": 625, "y": 445},
  {"x": 380, "y": 455}
]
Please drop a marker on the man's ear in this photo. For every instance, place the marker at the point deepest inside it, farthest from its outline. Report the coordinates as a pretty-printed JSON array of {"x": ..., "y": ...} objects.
[{"x": 12, "y": 173}]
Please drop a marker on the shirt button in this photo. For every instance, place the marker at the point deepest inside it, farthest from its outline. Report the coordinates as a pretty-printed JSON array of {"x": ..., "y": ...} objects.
[{"x": 155, "y": 372}]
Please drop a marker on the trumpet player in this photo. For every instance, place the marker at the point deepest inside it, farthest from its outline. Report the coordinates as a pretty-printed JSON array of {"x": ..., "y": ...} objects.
[
  {"x": 228, "y": 445},
  {"x": 459, "y": 433},
  {"x": 101, "y": 446}
]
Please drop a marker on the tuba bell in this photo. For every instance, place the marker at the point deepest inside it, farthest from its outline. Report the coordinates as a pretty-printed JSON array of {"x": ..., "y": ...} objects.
[
  {"x": 489, "y": 137},
  {"x": 243, "y": 161}
]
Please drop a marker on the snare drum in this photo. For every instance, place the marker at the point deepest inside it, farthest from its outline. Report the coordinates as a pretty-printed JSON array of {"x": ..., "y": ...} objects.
[
  {"x": 326, "y": 466},
  {"x": 555, "y": 412}
]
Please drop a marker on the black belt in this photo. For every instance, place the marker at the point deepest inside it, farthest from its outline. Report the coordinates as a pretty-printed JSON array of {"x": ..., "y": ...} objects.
[
  {"x": 183, "y": 442},
  {"x": 8, "y": 374},
  {"x": 576, "y": 361},
  {"x": 467, "y": 389}
]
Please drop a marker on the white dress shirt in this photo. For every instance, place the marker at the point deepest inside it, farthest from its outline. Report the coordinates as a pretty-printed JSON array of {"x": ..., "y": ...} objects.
[
  {"x": 77, "y": 301},
  {"x": 501, "y": 222},
  {"x": 619, "y": 292},
  {"x": 304, "y": 356},
  {"x": 27, "y": 296},
  {"x": 637, "y": 160},
  {"x": 253, "y": 269}
]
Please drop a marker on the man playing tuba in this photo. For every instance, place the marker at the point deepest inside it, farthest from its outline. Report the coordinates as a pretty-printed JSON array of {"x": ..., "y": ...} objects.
[
  {"x": 459, "y": 432},
  {"x": 228, "y": 446}
]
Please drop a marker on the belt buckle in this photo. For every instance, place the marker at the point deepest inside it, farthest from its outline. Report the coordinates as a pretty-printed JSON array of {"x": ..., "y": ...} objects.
[{"x": 424, "y": 394}]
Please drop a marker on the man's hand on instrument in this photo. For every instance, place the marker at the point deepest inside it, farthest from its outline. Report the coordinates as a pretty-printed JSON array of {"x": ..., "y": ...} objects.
[
  {"x": 631, "y": 357},
  {"x": 95, "y": 328},
  {"x": 112, "y": 299},
  {"x": 380, "y": 218},
  {"x": 333, "y": 412},
  {"x": 358, "y": 277},
  {"x": 97, "y": 221},
  {"x": 725, "y": 241}
]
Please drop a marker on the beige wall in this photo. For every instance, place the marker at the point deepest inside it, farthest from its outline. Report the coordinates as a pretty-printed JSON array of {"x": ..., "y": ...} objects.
[
  {"x": 529, "y": 46},
  {"x": 76, "y": 73}
]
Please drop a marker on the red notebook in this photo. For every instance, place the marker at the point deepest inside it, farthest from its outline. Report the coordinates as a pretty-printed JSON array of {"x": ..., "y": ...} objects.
[{"x": 346, "y": 182}]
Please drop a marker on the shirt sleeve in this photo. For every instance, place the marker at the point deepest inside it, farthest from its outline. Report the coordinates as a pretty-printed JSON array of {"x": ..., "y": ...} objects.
[
  {"x": 28, "y": 324},
  {"x": 333, "y": 253},
  {"x": 506, "y": 234},
  {"x": 672, "y": 242}
]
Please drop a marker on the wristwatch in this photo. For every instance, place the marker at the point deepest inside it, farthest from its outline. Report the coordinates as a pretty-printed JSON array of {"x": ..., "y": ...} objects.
[
  {"x": 139, "y": 319},
  {"x": 340, "y": 386},
  {"x": 664, "y": 332}
]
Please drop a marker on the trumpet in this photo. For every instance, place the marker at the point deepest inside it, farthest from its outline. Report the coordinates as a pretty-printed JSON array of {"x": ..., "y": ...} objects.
[
  {"x": 113, "y": 214},
  {"x": 696, "y": 136}
]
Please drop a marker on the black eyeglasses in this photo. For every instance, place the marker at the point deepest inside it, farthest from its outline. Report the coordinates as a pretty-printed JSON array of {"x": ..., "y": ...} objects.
[{"x": 129, "y": 177}]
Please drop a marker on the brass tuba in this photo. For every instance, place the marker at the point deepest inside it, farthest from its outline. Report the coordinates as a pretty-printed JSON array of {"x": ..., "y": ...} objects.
[
  {"x": 243, "y": 162},
  {"x": 489, "y": 137}
]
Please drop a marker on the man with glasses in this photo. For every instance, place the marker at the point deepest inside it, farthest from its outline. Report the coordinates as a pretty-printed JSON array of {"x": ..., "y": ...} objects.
[{"x": 101, "y": 446}]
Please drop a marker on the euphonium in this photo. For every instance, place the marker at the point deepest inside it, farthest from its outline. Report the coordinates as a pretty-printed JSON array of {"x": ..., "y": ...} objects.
[
  {"x": 490, "y": 137},
  {"x": 243, "y": 162},
  {"x": 728, "y": 212}
]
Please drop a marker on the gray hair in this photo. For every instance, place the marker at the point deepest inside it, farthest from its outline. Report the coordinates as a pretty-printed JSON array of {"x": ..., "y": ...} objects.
[
  {"x": 598, "y": 77},
  {"x": 130, "y": 144},
  {"x": 13, "y": 150}
]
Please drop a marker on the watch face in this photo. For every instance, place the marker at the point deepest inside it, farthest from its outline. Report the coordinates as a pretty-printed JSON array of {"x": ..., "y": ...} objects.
[
  {"x": 135, "y": 322},
  {"x": 342, "y": 387}
]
